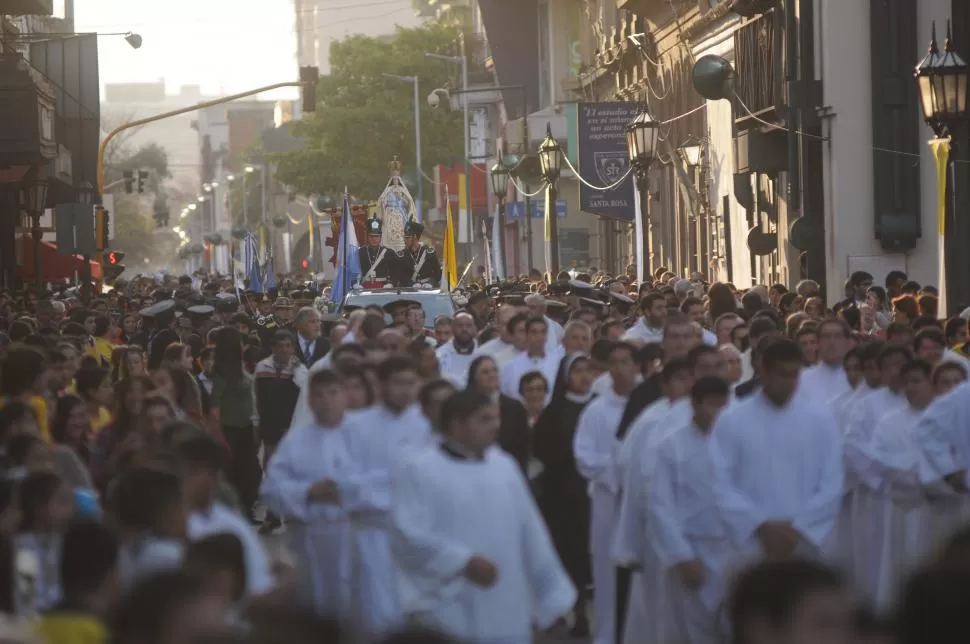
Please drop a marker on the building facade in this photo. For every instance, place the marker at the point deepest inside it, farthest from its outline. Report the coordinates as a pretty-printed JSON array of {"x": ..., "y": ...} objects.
[{"x": 816, "y": 166}]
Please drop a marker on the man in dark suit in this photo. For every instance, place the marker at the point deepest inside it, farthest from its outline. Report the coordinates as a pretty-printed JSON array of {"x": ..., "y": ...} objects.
[{"x": 310, "y": 345}]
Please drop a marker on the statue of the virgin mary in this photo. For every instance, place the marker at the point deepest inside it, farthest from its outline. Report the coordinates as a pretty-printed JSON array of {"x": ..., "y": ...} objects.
[{"x": 395, "y": 207}]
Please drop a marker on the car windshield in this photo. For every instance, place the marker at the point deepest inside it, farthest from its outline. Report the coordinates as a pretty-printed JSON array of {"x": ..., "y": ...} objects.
[{"x": 434, "y": 304}]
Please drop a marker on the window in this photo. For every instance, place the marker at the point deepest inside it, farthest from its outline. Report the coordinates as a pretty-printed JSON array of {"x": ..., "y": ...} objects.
[{"x": 545, "y": 63}]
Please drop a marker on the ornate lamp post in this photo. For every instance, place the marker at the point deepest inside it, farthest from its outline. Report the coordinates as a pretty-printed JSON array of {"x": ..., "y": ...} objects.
[
  {"x": 642, "y": 135},
  {"x": 550, "y": 159},
  {"x": 499, "y": 176},
  {"x": 34, "y": 196},
  {"x": 85, "y": 195},
  {"x": 942, "y": 81}
]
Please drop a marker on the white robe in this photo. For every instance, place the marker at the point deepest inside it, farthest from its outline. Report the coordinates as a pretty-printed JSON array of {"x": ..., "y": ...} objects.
[
  {"x": 643, "y": 334},
  {"x": 685, "y": 524},
  {"x": 595, "y": 447},
  {"x": 943, "y": 434},
  {"x": 499, "y": 351},
  {"x": 647, "y": 614},
  {"x": 219, "y": 519},
  {"x": 823, "y": 383},
  {"x": 779, "y": 464},
  {"x": 454, "y": 365},
  {"x": 302, "y": 415},
  {"x": 449, "y": 509},
  {"x": 868, "y": 511},
  {"x": 342, "y": 573},
  {"x": 548, "y": 365},
  {"x": 894, "y": 466}
]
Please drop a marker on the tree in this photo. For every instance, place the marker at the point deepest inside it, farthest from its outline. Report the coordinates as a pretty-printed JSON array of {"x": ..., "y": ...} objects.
[{"x": 364, "y": 119}]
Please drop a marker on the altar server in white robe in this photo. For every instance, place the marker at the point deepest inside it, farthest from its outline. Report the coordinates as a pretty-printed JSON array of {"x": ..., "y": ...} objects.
[
  {"x": 827, "y": 380},
  {"x": 390, "y": 431},
  {"x": 896, "y": 466},
  {"x": 645, "y": 611},
  {"x": 595, "y": 448},
  {"x": 455, "y": 355},
  {"x": 780, "y": 464},
  {"x": 684, "y": 524},
  {"x": 537, "y": 357},
  {"x": 944, "y": 437},
  {"x": 869, "y": 511},
  {"x": 476, "y": 560},
  {"x": 302, "y": 414},
  {"x": 323, "y": 493}
]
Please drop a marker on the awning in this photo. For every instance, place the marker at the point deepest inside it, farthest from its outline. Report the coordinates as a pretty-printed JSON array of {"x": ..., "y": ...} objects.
[{"x": 54, "y": 266}]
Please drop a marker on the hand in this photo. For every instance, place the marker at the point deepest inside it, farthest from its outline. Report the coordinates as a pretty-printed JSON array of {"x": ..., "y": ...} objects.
[
  {"x": 691, "y": 573},
  {"x": 325, "y": 491},
  {"x": 778, "y": 538},
  {"x": 481, "y": 572}
]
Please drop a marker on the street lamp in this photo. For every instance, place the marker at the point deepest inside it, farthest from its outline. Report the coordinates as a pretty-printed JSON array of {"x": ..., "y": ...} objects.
[
  {"x": 417, "y": 139},
  {"x": 463, "y": 61},
  {"x": 34, "y": 195},
  {"x": 550, "y": 160},
  {"x": 85, "y": 195},
  {"x": 642, "y": 136},
  {"x": 942, "y": 82},
  {"x": 692, "y": 152},
  {"x": 499, "y": 176}
]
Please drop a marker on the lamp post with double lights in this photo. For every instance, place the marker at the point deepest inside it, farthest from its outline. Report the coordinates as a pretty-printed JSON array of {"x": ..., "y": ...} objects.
[
  {"x": 499, "y": 176},
  {"x": 942, "y": 79},
  {"x": 550, "y": 159},
  {"x": 642, "y": 135}
]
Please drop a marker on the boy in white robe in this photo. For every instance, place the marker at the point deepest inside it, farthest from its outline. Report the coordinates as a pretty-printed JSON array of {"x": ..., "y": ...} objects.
[
  {"x": 315, "y": 484},
  {"x": 868, "y": 509},
  {"x": 686, "y": 529},
  {"x": 780, "y": 464},
  {"x": 895, "y": 466},
  {"x": 476, "y": 560},
  {"x": 595, "y": 448}
]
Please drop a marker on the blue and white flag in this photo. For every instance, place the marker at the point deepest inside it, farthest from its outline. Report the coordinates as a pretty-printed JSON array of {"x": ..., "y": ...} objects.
[
  {"x": 251, "y": 263},
  {"x": 348, "y": 258},
  {"x": 270, "y": 281}
]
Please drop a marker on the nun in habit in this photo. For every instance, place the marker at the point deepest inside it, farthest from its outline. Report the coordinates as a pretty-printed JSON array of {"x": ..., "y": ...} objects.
[
  {"x": 564, "y": 500},
  {"x": 513, "y": 433}
]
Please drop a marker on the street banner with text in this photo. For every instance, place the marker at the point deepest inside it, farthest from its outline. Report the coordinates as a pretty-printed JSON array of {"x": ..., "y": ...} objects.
[{"x": 603, "y": 158}]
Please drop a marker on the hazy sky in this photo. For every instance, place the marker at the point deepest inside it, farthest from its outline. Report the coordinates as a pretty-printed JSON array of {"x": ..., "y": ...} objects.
[{"x": 223, "y": 45}]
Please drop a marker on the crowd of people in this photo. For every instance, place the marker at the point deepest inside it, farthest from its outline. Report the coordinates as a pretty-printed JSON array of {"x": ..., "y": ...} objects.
[{"x": 671, "y": 463}]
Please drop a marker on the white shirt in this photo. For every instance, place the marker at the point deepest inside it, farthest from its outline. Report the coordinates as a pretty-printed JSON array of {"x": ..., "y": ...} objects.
[
  {"x": 219, "y": 519},
  {"x": 499, "y": 350},
  {"x": 644, "y": 334},
  {"x": 547, "y": 365},
  {"x": 454, "y": 363},
  {"x": 824, "y": 383}
]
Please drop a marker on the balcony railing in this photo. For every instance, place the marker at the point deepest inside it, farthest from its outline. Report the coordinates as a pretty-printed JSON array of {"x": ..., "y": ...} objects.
[
  {"x": 475, "y": 48},
  {"x": 759, "y": 58}
]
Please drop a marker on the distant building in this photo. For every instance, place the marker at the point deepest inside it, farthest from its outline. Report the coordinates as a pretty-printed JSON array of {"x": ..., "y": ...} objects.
[
  {"x": 320, "y": 22},
  {"x": 126, "y": 101}
]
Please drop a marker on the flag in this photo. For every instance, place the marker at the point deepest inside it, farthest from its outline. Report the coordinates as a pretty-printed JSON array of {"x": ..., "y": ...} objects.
[
  {"x": 489, "y": 271},
  {"x": 348, "y": 259},
  {"x": 449, "y": 258},
  {"x": 941, "y": 155},
  {"x": 270, "y": 281},
  {"x": 251, "y": 263}
]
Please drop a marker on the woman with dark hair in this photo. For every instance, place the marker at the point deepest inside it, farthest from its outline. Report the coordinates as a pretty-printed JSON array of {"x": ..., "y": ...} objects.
[
  {"x": 563, "y": 497},
  {"x": 720, "y": 300},
  {"x": 513, "y": 435},
  {"x": 71, "y": 433},
  {"x": 129, "y": 396},
  {"x": 232, "y": 409},
  {"x": 94, "y": 387}
]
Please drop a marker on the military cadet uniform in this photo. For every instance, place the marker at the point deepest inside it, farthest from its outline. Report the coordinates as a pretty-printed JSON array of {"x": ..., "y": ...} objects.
[
  {"x": 377, "y": 262},
  {"x": 421, "y": 266},
  {"x": 162, "y": 314}
]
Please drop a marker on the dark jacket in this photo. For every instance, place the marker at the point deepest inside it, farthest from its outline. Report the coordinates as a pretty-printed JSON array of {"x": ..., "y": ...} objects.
[
  {"x": 320, "y": 349},
  {"x": 513, "y": 433}
]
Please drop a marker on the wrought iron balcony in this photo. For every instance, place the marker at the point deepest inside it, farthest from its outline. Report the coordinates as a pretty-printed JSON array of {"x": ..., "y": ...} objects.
[{"x": 759, "y": 59}]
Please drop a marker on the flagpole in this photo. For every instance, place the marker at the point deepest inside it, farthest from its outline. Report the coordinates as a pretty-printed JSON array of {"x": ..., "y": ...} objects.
[{"x": 345, "y": 214}]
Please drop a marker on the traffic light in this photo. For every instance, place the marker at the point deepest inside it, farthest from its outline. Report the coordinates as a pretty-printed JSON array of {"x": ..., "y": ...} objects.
[
  {"x": 142, "y": 178},
  {"x": 113, "y": 257},
  {"x": 129, "y": 178},
  {"x": 309, "y": 77},
  {"x": 305, "y": 264}
]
